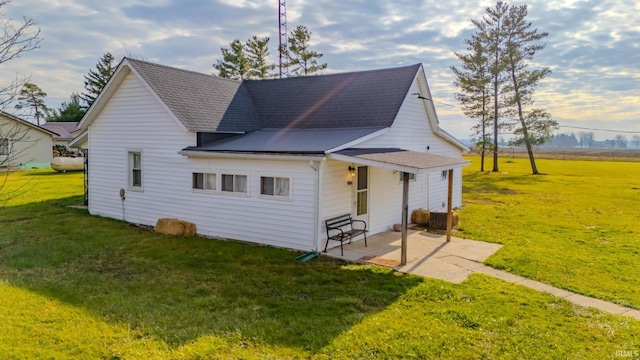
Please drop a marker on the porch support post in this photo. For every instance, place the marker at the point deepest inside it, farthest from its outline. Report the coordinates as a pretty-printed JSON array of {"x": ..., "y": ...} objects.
[
  {"x": 405, "y": 216},
  {"x": 449, "y": 205}
]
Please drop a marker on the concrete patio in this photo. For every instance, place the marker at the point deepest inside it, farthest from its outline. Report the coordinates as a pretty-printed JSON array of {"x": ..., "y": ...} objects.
[{"x": 428, "y": 255}]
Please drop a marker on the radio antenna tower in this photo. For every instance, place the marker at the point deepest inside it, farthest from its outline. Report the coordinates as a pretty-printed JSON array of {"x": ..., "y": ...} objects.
[{"x": 282, "y": 44}]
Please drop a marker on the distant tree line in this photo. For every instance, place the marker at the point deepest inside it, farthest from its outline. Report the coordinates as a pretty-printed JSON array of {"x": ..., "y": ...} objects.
[{"x": 587, "y": 140}]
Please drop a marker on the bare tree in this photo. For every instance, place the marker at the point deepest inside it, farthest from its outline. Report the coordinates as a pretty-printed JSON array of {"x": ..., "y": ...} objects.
[
  {"x": 16, "y": 38},
  {"x": 586, "y": 139},
  {"x": 635, "y": 141}
]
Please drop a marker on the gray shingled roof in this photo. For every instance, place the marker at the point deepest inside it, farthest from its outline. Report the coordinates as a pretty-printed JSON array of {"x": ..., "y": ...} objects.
[
  {"x": 356, "y": 99},
  {"x": 201, "y": 102},
  {"x": 349, "y": 100}
]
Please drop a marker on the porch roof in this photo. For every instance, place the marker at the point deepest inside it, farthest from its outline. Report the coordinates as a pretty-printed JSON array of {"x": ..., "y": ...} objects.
[{"x": 412, "y": 162}]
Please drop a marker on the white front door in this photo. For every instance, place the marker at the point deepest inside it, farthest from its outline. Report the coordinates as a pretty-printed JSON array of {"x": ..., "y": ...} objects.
[{"x": 361, "y": 192}]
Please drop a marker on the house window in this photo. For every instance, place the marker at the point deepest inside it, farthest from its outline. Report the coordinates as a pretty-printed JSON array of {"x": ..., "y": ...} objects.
[
  {"x": 234, "y": 183},
  {"x": 204, "y": 181},
  {"x": 135, "y": 169},
  {"x": 4, "y": 146},
  {"x": 275, "y": 186},
  {"x": 412, "y": 177},
  {"x": 444, "y": 175}
]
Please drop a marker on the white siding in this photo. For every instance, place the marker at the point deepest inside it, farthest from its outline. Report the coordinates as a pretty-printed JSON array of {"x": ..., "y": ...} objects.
[
  {"x": 134, "y": 120},
  {"x": 412, "y": 131},
  {"x": 385, "y": 197},
  {"x": 30, "y": 147}
]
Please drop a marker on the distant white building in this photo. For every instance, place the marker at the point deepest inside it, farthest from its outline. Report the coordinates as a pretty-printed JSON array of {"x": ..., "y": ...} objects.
[{"x": 23, "y": 144}]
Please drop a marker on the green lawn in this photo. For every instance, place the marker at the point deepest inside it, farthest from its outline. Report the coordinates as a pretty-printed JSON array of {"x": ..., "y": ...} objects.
[
  {"x": 78, "y": 286},
  {"x": 575, "y": 227}
]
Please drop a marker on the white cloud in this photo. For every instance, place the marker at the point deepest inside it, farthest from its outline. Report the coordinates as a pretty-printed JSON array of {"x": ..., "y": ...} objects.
[{"x": 593, "y": 46}]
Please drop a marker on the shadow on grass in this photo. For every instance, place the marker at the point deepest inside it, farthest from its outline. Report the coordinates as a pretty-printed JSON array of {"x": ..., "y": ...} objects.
[
  {"x": 179, "y": 289},
  {"x": 489, "y": 182}
]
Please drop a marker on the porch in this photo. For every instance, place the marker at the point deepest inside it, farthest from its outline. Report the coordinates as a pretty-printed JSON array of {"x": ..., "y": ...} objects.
[{"x": 428, "y": 255}]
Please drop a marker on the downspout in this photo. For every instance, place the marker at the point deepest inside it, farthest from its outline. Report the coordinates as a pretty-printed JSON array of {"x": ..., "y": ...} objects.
[{"x": 315, "y": 165}]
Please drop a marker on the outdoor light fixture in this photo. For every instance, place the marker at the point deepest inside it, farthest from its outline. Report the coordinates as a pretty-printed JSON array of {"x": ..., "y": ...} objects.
[{"x": 352, "y": 171}]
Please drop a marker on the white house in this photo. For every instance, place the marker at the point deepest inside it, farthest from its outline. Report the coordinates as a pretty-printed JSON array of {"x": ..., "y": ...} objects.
[
  {"x": 23, "y": 144},
  {"x": 266, "y": 161}
]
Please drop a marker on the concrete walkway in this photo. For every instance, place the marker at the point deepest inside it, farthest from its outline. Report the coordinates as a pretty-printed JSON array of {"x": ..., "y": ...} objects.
[{"x": 430, "y": 255}]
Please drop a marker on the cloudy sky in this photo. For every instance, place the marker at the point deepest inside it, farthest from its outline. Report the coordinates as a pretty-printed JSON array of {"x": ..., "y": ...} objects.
[{"x": 593, "y": 47}]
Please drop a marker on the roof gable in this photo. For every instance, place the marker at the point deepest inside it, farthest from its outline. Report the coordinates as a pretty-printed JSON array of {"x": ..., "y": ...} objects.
[{"x": 25, "y": 122}]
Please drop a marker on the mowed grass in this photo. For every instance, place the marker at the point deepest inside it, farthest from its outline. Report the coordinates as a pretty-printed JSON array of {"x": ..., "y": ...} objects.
[
  {"x": 577, "y": 227},
  {"x": 75, "y": 286}
]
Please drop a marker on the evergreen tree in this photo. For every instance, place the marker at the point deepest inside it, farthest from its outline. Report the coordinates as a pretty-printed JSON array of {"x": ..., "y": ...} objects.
[
  {"x": 257, "y": 52},
  {"x": 492, "y": 36},
  {"x": 535, "y": 125},
  {"x": 473, "y": 80},
  {"x": 234, "y": 64},
  {"x": 33, "y": 97},
  {"x": 71, "y": 111},
  {"x": 303, "y": 60},
  {"x": 96, "y": 80}
]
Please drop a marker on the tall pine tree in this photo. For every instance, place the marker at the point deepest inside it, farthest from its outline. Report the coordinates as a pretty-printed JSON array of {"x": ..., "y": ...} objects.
[
  {"x": 257, "y": 52},
  {"x": 473, "y": 80},
  {"x": 303, "y": 60},
  {"x": 31, "y": 96},
  {"x": 234, "y": 63},
  {"x": 535, "y": 124},
  {"x": 492, "y": 36},
  {"x": 96, "y": 80}
]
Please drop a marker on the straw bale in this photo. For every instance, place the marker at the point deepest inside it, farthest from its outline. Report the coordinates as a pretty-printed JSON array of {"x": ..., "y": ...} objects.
[
  {"x": 420, "y": 217},
  {"x": 175, "y": 227}
]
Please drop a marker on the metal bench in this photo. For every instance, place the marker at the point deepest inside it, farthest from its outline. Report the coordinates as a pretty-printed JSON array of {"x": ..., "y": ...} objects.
[{"x": 340, "y": 228}]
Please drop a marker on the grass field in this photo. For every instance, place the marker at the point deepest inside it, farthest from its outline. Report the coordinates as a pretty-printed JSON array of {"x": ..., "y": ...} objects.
[
  {"x": 575, "y": 227},
  {"x": 75, "y": 286}
]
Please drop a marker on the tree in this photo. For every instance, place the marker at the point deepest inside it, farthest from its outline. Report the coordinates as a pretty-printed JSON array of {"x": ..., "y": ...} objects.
[
  {"x": 635, "y": 141},
  {"x": 257, "y": 52},
  {"x": 492, "y": 37},
  {"x": 303, "y": 60},
  {"x": 16, "y": 39},
  {"x": 31, "y": 96},
  {"x": 96, "y": 80},
  {"x": 535, "y": 125},
  {"x": 71, "y": 111},
  {"x": 621, "y": 141},
  {"x": 234, "y": 63},
  {"x": 586, "y": 138},
  {"x": 473, "y": 79}
]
